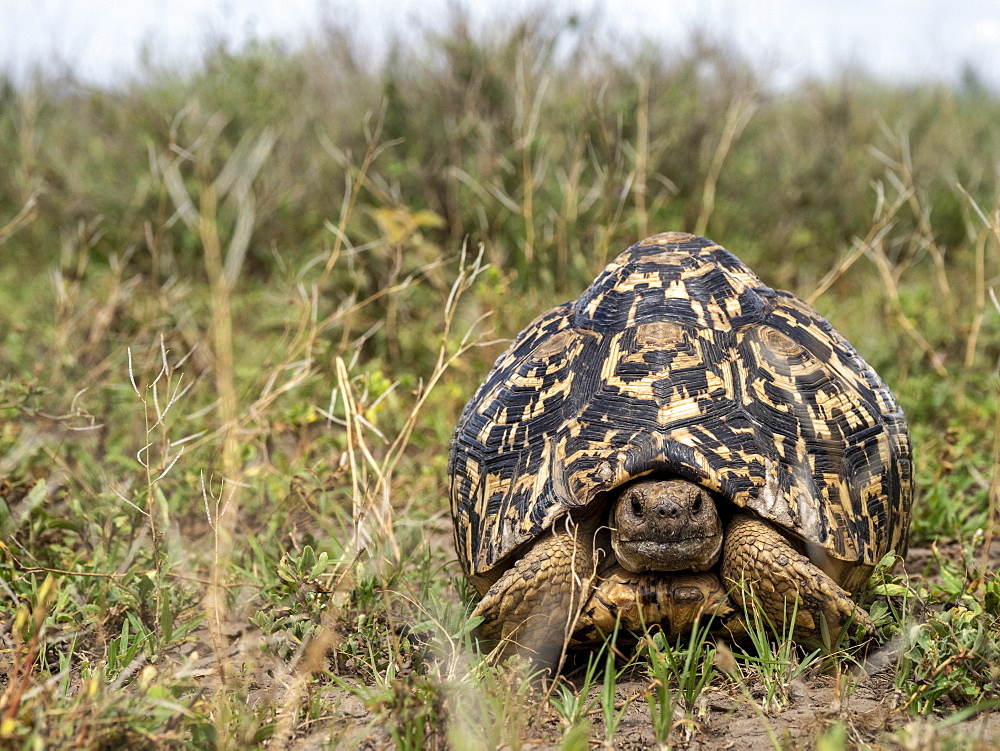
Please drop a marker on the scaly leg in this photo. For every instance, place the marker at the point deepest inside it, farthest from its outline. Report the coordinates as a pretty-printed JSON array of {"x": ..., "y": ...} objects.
[
  {"x": 533, "y": 608},
  {"x": 759, "y": 564}
]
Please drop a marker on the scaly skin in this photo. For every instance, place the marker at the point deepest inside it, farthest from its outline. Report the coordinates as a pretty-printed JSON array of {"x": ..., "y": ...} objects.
[
  {"x": 552, "y": 596},
  {"x": 536, "y": 607},
  {"x": 666, "y": 525},
  {"x": 533, "y": 608},
  {"x": 635, "y": 602},
  {"x": 758, "y": 563}
]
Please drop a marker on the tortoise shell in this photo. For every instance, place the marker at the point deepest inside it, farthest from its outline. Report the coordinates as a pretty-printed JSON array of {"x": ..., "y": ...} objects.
[{"x": 679, "y": 361}]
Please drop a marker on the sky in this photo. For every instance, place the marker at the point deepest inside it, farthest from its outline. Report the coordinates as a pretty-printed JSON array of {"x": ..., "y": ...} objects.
[{"x": 897, "y": 40}]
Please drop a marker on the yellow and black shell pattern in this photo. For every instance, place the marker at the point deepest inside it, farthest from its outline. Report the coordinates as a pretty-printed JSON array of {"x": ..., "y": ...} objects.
[{"x": 679, "y": 361}]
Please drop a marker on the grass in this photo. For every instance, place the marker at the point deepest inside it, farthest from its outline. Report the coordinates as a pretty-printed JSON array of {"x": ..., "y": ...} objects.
[{"x": 242, "y": 309}]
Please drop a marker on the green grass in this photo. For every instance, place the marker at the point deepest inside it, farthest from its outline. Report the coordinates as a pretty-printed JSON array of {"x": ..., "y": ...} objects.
[{"x": 242, "y": 308}]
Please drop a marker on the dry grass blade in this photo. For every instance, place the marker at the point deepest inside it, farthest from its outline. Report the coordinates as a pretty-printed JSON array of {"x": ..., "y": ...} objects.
[
  {"x": 993, "y": 515},
  {"x": 642, "y": 157},
  {"x": 877, "y": 253},
  {"x": 883, "y": 224},
  {"x": 357, "y": 179},
  {"x": 991, "y": 229},
  {"x": 740, "y": 111},
  {"x": 22, "y": 218},
  {"x": 922, "y": 212}
]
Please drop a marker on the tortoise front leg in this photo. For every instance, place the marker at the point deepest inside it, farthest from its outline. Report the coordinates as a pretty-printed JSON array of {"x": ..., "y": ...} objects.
[
  {"x": 635, "y": 602},
  {"x": 760, "y": 566},
  {"x": 533, "y": 608}
]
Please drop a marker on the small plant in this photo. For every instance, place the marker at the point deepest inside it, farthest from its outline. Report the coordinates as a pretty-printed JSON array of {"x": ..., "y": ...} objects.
[
  {"x": 661, "y": 697},
  {"x": 955, "y": 652},
  {"x": 573, "y": 704},
  {"x": 690, "y": 664},
  {"x": 777, "y": 659},
  {"x": 410, "y": 705},
  {"x": 613, "y": 715},
  {"x": 488, "y": 706}
]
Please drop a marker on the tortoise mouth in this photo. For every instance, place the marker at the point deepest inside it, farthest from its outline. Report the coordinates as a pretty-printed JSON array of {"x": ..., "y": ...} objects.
[
  {"x": 665, "y": 542},
  {"x": 695, "y": 553}
]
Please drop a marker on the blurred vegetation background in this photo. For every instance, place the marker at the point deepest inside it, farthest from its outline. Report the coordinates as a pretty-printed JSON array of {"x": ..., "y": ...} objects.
[
  {"x": 260, "y": 263},
  {"x": 541, "y": 143}
]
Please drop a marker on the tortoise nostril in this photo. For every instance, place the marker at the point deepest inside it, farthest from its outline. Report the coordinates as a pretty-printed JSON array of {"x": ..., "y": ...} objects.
[{"x": 667, "y": 508}]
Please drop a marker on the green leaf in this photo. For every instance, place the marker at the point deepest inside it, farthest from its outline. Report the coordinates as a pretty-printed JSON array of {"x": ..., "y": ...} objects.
[
  {"x": 319, "y": 567},
  {"x": 952, "y": 583},
  {"x": 307, "y": 560},
  {"x": 145, "y": 587},
  {"x": 890, "y": 590}
]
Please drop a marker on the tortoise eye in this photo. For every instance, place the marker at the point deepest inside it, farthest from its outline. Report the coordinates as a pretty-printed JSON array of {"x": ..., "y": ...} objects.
[
  {"x": 696, "y": 506},
  {"x": 636, "y": 505}
]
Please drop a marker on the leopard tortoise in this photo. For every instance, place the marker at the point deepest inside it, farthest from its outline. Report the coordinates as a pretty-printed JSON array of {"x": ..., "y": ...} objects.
[{"x": 681, "y": 439}]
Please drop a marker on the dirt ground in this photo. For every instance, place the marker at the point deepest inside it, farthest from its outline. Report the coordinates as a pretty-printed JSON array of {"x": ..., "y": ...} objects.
[
  {"x": 869, "y": 713},
  {"x": 862, "y": 708}
]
